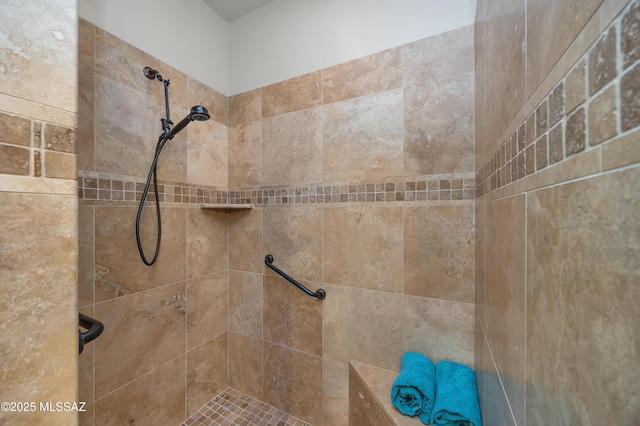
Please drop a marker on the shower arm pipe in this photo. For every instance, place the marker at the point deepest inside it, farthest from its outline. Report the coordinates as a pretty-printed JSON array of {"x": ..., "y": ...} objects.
[
  {"x": 166, "y": 122},
  {"x": 152, "y": 74},
  {"x": 320, "y": 293}
]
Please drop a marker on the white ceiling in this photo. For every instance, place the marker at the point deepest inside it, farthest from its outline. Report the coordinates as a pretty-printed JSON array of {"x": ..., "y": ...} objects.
[{"x": 231, "y": 10}]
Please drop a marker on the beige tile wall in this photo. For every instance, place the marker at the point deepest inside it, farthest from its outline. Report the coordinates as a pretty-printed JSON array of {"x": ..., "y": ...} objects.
[
  {"x": 357, "y": 190},
  {"x": 164, "y": 351},
  {"x": 557, "y": 231},
  {"x": 362, "y": 179},
  {"x": 38, "y": 210}
]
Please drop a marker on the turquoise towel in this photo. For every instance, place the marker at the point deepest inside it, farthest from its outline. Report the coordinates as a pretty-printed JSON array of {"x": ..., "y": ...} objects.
[
  {"x": 413, "y": 390},
  {"x": 456, "y": 396}
]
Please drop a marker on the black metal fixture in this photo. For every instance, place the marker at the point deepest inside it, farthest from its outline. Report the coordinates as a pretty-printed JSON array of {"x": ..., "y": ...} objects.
[
  {"x": 320, "y": 293},
  {"x": 197, "y": 113},
  {"x": 94, "y": 329}
]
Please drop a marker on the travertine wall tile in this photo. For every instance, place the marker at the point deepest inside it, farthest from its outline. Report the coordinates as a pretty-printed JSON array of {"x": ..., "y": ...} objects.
[
  {"x": 602, "y": 61},
  {"x": 495, "y": 408},
  {"x": 39, "y": 313},
  {"x": 85, "y": 134},
  {"x": 124, "y": 108},
  {"x": 569, "y": 242},
  {"x": 14, "y": 160},
  {"x": 292, "y": 148},
  {"x": 603, "y": 116},
  {"x": 629, "y": 89},
  {"x": 246, "y": 303},
  {"x": 505, "y": 88},
  {"x": 292, "y": 95},
  {"x": 245, "y": 364},
  {"x": 245, "y": 107},
  {"x": 294, "y": 238},
  {"x": 587, "y": 284},
  {"x": 207, "y": 153},
  {"x": 551, "y": 27},
  {"x": 291, "y": 318},
  {"x": 363, "y": 137},
  {"x": 575, "y": 138},
  {"x": 119, "y": 270},
  {"x": 621, "y": 152},
  {"x": 59, "y": 165},
  {"x": 446, "y": 231},
  {"x": 39, "y": 320},
  {"x": 362, "y": 325},
  {"x": 86, "y": 46},
  {"x": 207, "y": 242},
  {"x": 123, "y": 63},
  {"x": 372, "y": 74},
  {"x": 364, "y": 409},
  {"x": 245, "y": 241},
  {"x": 439, "y": 126},
  {"x": 15, "y": 130},
  {"x": 333, "y": 136},
  {"x": 207, "y": 372},
  {"x": 286, "y": 370},
  {"x": 505, "y": 295},
  {"x": 207, "y": 309},
  {"x": 362, "y": 247},
  {"x": 556, "y": 104},
  {"x": 149, "y": 406},
  {"x": 86, "y": 255},
  {"x": 335, "y": 392},
  {"x": 40, "y": 41},
  {"x": 125, "y": 145},
  {"x": 440, "y": 56},
  {"x": 440, "y": 329},
  {"x": 245, "y": 154},
  {"x": 576, "y": 83},
  {"x": 215, "y": 102},
  {"x": 629, "y": 31},
  {"x": 124, "y": 352},
  {"x": 57, "y": 138}
]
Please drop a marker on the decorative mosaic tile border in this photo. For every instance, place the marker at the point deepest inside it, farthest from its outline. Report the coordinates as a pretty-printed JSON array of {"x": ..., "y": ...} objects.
[
  {"x": 231, "y": 407},
  {"x": 104, "y": 189},
  {"x": 594, "y": 102},
  {"x": 90, "y": 188}
]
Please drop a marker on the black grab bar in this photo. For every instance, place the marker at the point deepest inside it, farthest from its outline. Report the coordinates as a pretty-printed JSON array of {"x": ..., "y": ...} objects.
[
  {"x": 94, "y": 329},
  {"x": 320, "y": 294}
]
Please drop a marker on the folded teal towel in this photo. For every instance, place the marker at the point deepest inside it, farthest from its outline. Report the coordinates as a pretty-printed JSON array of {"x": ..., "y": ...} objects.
[
  {"x": 413, "y": 390},
  {"x": 456, "y": 396}
]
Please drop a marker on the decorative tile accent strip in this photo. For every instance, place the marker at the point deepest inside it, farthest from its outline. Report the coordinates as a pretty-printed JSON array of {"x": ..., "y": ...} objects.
[
  {"x": 579, "y": 113},
  {"x": 21, "y": 149},
  {"x": 103, "y": 189},
  {"x": 91, "y": 188},
  {"x": 231, "y": 407}
]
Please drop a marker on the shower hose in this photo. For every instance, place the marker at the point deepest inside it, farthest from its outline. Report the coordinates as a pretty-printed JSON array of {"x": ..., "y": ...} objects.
[{"x": 152, "y": 173}]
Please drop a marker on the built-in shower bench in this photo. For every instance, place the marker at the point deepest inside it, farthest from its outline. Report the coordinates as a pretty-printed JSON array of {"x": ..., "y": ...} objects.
[{"x": 370, "y": 398}]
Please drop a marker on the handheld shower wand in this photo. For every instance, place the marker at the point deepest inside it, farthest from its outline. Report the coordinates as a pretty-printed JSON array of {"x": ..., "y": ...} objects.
[{"x": 197, "y": 113}]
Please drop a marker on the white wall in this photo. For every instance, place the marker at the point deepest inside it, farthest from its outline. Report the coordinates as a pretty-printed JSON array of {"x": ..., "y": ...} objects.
[
  {"x": 283, "y": 39},
  {"x": 186, "y": 34},
  {"x": 287, "y": 38}
]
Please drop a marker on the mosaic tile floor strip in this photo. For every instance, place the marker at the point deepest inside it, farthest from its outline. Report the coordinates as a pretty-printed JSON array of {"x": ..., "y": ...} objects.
[{"x": 231, "y": 407}]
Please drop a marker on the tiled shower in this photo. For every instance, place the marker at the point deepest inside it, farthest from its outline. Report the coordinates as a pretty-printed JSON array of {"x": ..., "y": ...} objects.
[
  {"x": 343, "y": 199},
  {"x": 470, "y": 195}
]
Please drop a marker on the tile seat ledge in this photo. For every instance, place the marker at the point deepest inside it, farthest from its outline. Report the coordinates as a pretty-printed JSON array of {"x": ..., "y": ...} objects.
[{"x": 370, "y": 398}]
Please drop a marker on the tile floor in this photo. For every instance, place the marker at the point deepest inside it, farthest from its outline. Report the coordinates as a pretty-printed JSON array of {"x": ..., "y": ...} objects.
[{"x": 231, "y": 407}]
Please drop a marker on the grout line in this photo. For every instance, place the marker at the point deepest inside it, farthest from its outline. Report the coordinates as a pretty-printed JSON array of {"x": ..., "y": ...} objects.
[
  {"x": 498, "y": 375},
  {"x": 526, "y": 287}
]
